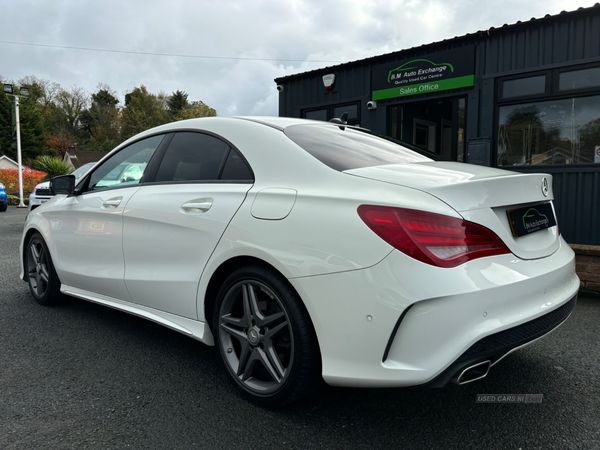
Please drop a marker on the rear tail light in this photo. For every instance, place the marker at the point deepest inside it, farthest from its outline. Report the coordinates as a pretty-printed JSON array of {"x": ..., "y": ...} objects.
[{"x": 431, "y": 238}]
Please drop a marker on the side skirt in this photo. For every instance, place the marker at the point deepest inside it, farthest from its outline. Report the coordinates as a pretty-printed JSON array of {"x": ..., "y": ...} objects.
[{"x": 192, "y": 328}]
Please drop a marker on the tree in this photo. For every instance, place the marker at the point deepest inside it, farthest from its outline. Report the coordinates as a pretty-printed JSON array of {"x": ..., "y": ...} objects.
[
  {"x": 142, "y": 111},
  {"x": 163, "y": 98},
  {"x": 105, "y": 97},
  {"x": 42, "y": 92},
  {"x": 101, "y": 121},
  {"x": 69, "y": 107},
  {"x": 33, "y": 133},
  {"x": 53, "y": 118},
  {"x": 176, "y": 103},
  {"x": 59, "y": 143},
  {"x": 196, "y": 109},
  {"x": 6, "y": 126}
]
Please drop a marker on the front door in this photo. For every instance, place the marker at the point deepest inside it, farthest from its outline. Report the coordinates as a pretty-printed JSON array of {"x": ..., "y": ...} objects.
[{"x": 88, "y": 228}]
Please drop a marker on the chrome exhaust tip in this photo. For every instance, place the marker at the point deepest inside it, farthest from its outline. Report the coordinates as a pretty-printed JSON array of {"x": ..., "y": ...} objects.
[{"x": 473, "y": 373}]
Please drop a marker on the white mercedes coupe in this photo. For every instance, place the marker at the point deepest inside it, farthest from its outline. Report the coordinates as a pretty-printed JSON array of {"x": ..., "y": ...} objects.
[{"x": 308, "y": 251}]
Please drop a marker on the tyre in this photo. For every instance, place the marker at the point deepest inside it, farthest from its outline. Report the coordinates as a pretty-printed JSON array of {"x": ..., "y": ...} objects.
[
  {"x": 3, "y": 207},
  {"x": 265, "y": 338},
  {"x": 43, "y": 280}
]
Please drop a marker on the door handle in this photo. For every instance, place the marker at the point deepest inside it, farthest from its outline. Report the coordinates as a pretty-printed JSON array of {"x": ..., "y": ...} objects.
[
  {"x": 112, "y": 203},
  {"x": 199, "y": 205}
]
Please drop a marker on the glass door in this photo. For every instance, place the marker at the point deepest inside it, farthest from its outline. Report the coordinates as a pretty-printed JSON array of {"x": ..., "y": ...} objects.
[{"x": 435, "y": 125}]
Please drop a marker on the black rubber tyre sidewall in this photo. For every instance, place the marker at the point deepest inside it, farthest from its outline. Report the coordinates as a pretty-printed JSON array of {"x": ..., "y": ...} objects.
[{"x": 52, "y": 295}]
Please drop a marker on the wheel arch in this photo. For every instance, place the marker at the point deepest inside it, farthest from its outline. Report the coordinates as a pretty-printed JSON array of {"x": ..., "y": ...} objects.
[
  {"x": 26, "y": 239},
  {"x": 223, "y": 271}
]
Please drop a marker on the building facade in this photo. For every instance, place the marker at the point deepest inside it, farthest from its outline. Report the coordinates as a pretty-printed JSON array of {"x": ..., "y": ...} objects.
[
  {"x": 7, "y": 163},
  {"x": 523, "y": 97}
]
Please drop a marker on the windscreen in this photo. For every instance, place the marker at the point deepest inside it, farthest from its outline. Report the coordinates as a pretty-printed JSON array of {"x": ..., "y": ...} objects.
[{"x": 345, "y": 148}]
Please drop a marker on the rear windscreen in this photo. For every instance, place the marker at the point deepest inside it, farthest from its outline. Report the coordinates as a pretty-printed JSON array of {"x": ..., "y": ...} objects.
[{"x": 344, "y": 148}]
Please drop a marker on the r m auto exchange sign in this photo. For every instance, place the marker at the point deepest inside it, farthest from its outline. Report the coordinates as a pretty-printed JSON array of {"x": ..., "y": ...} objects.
[{"x": 441, "y": 71}]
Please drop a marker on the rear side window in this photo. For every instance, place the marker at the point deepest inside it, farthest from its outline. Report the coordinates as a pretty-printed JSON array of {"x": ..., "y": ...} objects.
[
  {"x": 192, "y": 157},
  {"x": 201, "y": 157},
  {"x": 236, "y": 168},
  {"x": 346, "y": 148}
]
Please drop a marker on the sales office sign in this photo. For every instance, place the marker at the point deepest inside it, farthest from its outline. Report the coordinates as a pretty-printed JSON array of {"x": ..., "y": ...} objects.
[{"x": 440, "y": 71}]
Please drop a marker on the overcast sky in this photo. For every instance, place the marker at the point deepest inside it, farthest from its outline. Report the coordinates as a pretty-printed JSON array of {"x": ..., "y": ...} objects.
[{"x": 264, "y": 39}]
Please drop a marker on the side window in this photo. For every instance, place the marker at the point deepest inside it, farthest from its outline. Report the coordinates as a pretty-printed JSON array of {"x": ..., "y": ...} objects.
[
  {"x": 126, "y": 167},
  {"x": 236, "y": 168},
  {"x": 192, "y": 157}
]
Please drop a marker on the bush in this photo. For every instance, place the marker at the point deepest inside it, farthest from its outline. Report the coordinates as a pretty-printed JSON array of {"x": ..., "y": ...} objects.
[
  {"x": 14, "y": 199},
  {"x": 106, "y": 146},
  {"x": 10, "y": 178},
  {"x": 52, "y": 166}
]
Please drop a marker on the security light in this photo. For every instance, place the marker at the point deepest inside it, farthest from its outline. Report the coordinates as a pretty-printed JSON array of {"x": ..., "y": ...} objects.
[
  {"x": 8, "y": 89},
  {"x": 24, "y": 91}
]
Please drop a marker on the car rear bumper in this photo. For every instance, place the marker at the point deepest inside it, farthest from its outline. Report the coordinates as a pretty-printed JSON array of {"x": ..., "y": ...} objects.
[
  {"x": 446, "y": 314},
  {"x": 496, "y": 346}
]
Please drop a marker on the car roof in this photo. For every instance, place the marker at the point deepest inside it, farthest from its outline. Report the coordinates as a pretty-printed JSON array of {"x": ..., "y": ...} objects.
[{"x": 280, "y": 122}]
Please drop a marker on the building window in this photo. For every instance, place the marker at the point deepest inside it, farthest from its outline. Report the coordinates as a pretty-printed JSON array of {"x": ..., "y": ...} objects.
[
  {"x": 561, "y": 131},
  {"x": 319, "y": 114},
  {"x": 549, "y": 118},
  {"x": 523, "y": 87},
  {"x": 579, "y": 79},
  {"x": 335, "y": 111},
  {"x": 352, "y": 111}
]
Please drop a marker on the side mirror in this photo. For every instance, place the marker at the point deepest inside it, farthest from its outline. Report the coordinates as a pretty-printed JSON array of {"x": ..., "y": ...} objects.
[{"x": 64, "y": 184}]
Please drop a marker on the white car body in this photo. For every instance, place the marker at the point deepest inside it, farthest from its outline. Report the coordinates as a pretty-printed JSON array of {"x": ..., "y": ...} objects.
[
  {"x": 40, "y": 195},
  {"x": 382, "y": 318}
]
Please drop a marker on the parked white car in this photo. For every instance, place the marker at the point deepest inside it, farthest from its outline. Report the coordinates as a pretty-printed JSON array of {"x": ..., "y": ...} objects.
[
  {"x": 307, "y": 250},
  {"x": 41, "y": 193}
]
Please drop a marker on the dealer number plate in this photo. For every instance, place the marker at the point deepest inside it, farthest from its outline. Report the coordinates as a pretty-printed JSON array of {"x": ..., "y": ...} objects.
[{"x": 531, "y": 219}]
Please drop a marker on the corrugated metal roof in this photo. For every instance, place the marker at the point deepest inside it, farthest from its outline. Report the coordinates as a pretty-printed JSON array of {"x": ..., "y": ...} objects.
[{"x": 519, "y": 23}]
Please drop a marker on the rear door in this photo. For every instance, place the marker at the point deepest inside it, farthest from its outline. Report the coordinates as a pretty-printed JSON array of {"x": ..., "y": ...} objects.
[{"x": 173, "y": 224}]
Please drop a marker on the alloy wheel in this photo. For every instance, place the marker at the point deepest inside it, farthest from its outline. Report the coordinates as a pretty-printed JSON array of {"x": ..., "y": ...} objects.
[{"x": 255, "y": 337}]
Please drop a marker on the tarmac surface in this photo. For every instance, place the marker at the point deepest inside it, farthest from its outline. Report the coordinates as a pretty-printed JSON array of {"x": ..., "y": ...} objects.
[{"x": 81, "y": 376}]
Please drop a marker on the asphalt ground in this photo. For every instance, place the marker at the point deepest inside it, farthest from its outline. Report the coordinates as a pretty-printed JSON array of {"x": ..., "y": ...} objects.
[{"x": 81, "y": 376}]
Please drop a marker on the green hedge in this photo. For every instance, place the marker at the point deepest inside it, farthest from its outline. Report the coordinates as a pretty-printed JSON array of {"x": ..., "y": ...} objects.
[{"x": 14, "y": 200}]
